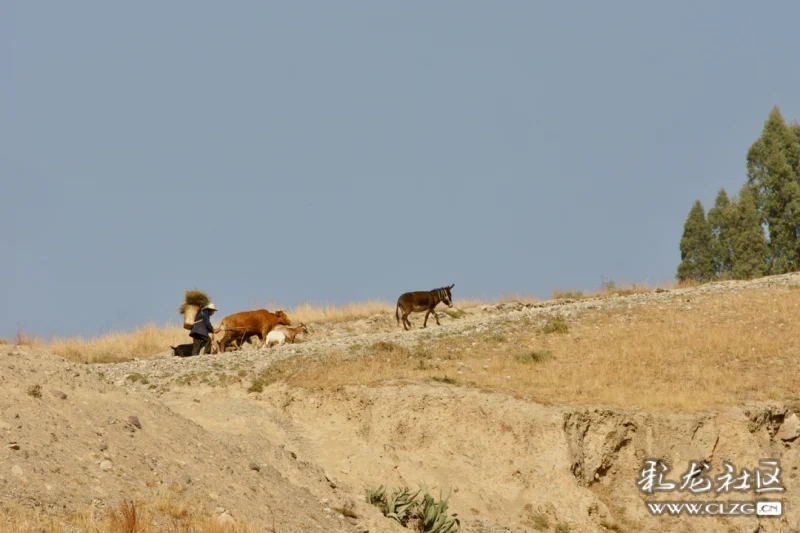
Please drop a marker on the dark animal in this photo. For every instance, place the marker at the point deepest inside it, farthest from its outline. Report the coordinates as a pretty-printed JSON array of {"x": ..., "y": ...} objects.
[
  {"x": 247, "y": 323},
  {"x": 419, "y": 301},
  {"x": 236, "y": 340},
  {"x": 182, "y": 350}
]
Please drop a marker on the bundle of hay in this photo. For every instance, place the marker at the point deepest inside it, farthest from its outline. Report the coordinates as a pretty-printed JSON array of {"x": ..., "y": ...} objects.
[{"x": 193, "y": 301}]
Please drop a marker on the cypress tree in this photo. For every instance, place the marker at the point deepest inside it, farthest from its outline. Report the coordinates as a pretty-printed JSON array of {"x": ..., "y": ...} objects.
[
  {"x": 697, "y": 254},
  {"x": 749, "y": 248},
  {"x": 720, "y": 222},
  {"x": 773, "y": 171}
]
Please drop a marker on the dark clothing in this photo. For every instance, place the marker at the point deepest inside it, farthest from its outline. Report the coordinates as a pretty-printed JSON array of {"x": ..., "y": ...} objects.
[
  {"x": 202, "y": 325},
  {"x": 201, "y": 330},
  {"x": 199, "y": 344}
]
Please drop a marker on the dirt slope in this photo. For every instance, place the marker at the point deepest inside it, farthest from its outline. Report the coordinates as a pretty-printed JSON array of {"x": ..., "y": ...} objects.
[
  {"x": 513, "y": 465},
  {"x": 78, "y": 449}
]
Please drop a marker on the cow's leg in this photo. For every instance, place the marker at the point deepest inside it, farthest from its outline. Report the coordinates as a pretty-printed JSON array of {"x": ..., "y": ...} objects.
[
  {"x": 226, "y": 338},
  {"x": 263, "y": 337}
]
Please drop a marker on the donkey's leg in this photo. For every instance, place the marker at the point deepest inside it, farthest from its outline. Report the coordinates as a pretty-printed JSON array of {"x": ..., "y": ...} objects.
[
  {"x": 406, "y": 321},
  {"x": 425, "y": 322},
  {"x": 435, "y": 316}
]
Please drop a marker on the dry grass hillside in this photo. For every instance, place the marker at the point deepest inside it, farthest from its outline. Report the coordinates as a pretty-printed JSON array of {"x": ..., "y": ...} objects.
[{"x": 536, "y": 414}]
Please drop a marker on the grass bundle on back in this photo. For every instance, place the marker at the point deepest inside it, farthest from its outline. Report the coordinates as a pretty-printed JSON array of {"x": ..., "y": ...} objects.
[{"x": 194, "y": 297}]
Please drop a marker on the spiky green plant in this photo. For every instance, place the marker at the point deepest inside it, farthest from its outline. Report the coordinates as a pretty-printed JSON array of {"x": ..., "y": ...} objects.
[
  {"x": 434, "y": 515},
  {"x": 377, "y": 497},
  {"x": 400, "y": 505},
  {"x": 427, "y": 515}
]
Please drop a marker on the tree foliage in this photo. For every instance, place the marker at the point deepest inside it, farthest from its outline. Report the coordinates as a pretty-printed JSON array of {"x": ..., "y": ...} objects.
[
  {"x": 758, "y": 232},
  {"x": 697, "y": 256}
]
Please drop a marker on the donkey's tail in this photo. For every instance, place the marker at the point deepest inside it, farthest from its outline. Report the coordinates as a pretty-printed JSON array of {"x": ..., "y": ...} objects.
[{"x": 397, "y": 312}]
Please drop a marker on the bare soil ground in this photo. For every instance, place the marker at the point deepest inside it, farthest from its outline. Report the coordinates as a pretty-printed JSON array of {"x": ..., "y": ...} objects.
[{"x": 538, "y": 416}]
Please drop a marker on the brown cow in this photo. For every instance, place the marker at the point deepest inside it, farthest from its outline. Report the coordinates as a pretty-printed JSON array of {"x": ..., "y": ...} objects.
[{"x": 246, "y": 323}]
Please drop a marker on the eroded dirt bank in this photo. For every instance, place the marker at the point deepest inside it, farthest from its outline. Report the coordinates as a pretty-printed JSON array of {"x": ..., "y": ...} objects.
[{"x": 511, "y": 464}]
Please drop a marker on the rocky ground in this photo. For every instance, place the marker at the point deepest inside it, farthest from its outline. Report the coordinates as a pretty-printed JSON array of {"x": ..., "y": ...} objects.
[{"x": 84, "y": 436}]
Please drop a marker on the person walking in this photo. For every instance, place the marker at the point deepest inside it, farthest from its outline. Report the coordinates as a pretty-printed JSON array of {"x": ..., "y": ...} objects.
[{"x": 202, "y": 329}]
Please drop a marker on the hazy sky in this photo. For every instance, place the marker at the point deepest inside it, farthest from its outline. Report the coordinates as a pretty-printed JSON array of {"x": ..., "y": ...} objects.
[{"x": 288, "y": 152}]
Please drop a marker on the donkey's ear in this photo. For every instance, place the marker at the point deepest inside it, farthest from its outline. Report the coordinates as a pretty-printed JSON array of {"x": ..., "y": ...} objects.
[{"x": 451, "y": 286}]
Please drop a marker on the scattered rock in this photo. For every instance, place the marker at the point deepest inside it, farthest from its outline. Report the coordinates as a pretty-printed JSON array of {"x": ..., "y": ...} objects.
[
  {"x": 225, "y": 519},
  {"x": 4, "y": 425},
  {"x": 254, "y": 466},
  {"x": 103, "y": 447},
  {"x": 16, "y": 470},
  {"x": 106, "y": 465},
  {"x": 58, "y": 394},
  {"x": 790, "y": 429},
  {"x": 13, "y": 446},
  {"x": 134, "y": 421}
]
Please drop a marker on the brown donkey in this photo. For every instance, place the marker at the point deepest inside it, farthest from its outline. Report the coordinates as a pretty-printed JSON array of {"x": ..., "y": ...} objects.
[{"x": 419, "y": 301}]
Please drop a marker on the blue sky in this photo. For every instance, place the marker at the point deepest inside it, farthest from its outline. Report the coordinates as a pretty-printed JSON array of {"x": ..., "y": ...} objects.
[{"x": 288, "y": 152}]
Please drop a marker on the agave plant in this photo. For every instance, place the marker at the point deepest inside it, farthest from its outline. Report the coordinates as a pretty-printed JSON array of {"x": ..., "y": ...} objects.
[
  {"x": 435, "y": 518},
  {"x": 377, "y": 497},
  {"x": 401, "y": 505}
]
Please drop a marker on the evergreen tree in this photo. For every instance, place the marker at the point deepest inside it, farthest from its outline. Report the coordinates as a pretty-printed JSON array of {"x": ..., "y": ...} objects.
[
  {"x": 773, "y": 170},
  {"x": 719, "y": 219},
  {"x": 794, "y": 127},
  {"x": 697, "y": 255},
  {"x": 749, "y": 248}
]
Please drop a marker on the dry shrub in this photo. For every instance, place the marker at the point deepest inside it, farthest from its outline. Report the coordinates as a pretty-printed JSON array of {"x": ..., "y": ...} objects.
[
  {"x": 310, "y": 313},
  {"x": 27, "y": 521},
  {"x": 609, "y": 288},
  {"x": 115, "y": 347},
  {"x": 130, "y": 519}
]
